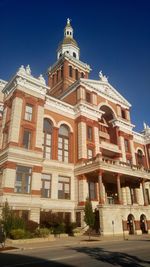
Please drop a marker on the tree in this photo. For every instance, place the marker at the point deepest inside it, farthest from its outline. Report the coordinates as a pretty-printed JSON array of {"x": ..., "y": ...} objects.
[
  {"x": 9, "y": 220},
  {"x": 89, "y": 217}
]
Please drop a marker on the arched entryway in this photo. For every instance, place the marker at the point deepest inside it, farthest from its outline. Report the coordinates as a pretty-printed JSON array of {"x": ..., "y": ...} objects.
[
  {"x": 143, "y": 224},
  {"x": 131, "y": 224}
]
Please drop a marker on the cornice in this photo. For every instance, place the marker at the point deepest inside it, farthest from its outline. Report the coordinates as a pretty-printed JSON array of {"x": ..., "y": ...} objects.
[
  {"x": 122, "y": 124},
  {"x": 68, "y": 57}
]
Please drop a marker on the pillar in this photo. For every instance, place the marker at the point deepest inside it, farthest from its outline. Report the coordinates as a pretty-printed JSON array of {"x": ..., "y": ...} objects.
[
  {"x": 101, "y": 188},
  {"x": 119, "y": 189}
]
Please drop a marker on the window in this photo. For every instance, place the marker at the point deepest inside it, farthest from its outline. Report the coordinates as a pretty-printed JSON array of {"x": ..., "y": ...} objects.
[
  {"x": 89, "y": 133},
  {"x": 27, "y": 139},
  {"x": 47, "y": 142},
  {"x": 76, "y": 74},
  {"x": 28, "y": 112},
  {"x": 62, "y": 72},
  {"x": 89, "y": 153},
  {"x": 74, "y": 54},
  {"x": 133, "y": 195},
  {"x": 63, "y": 187},
  {"x": 139, "y": 157},
  {"x": 123, "y": 113},
  {"x": 92, "y": 191},
  {"x": 46, "y": 185},
  {"x": 82, "y": 75},
  {"x": 23, "y": 180},
  {"x": 147, "y": 195},
  {"x": 126, "y": 143},
  {"x": 70, "y": 71},
  {"x": 57, "y": 75},
  {"x": 88, "y": 97},
  {"x": 63, "y": 143}
]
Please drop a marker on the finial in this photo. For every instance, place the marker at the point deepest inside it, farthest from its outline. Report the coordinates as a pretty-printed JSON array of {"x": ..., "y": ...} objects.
[
  {"x": 68, "y": 21},
  {"x": 28, "y": 70},
  {"x": 102, "y": 77},
  {"x": 22, "y": 69},
  {"x": 41, "y": 79}
]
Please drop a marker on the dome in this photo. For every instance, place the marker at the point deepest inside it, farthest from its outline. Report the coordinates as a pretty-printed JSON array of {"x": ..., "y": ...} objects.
[{"x": 68, "y": 40}]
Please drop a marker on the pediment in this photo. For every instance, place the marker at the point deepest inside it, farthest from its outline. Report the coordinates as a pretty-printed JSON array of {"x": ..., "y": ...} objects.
[{"x": 106, "y": 90}]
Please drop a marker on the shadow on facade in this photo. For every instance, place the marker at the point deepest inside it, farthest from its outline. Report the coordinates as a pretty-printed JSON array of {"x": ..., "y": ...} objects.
[
  {"x": 7, "y": 259},
  {"x": 113, "y": 258}
]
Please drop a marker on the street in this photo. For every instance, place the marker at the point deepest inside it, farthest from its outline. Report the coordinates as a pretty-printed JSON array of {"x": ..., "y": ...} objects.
[{"x": 119, "y": 253}]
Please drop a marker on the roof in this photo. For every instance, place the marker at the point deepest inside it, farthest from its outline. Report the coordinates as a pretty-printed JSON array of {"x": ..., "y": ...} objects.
[{"x": 68, "y": 40}]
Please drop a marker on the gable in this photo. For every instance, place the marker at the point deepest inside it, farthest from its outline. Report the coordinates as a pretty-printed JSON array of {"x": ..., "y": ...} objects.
[{"x": 105, "y": 90}]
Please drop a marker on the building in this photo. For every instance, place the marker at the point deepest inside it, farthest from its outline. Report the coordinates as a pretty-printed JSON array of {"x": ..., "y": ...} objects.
[{"x": 69, "y": 140}]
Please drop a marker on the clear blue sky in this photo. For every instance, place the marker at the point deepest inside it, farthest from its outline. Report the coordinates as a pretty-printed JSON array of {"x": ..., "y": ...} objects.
[{"x": 113, "y": 36}]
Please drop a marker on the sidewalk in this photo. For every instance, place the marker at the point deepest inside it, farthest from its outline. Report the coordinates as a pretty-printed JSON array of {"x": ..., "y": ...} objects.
[{"x": 79, "y": 240}]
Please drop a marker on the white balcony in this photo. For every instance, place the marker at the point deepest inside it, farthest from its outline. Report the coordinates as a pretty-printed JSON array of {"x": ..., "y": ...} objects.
[{"x": 110, "y": 147}]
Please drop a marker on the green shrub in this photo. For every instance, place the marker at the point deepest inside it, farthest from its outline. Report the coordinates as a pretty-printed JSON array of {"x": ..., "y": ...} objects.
[
  {"x": 69, "y": 229},
  {"x": 31, "y": 226},
  {"x": 59, "y": 229},
  {"x": 17, "y": 234},
  {"x": 42, "y": 232}
]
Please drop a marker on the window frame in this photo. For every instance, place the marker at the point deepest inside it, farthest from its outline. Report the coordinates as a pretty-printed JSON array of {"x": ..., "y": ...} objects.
[
  {"x": 28, "y": 144},
  {"x": 63, "y": 187},
  {"x": 23, "y": 180},
  {"x": 70, "y": 71},
  {"x": 93, "y": 190},
  {"x": 43, "y": 182},
  {"x": 28, "y": 116},
  {"x": 62, "y": 150},
  {"x": 88, "y": 97},
  {"x": 126, "y": 145},
  {"x": 89, "y": 133},
  {"x": 47, "y": 148}
]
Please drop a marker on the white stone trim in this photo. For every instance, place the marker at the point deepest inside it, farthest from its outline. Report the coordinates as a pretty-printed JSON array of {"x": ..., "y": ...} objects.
[
  {"x": 140, "y": 148},
  {"x": 106, "y": 104},
  {"x": 46, "y": 116},
  {"x": 67, "y": 123}
]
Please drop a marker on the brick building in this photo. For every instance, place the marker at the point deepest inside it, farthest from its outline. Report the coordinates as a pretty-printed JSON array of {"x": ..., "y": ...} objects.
[{"x": 72, "y": 139}]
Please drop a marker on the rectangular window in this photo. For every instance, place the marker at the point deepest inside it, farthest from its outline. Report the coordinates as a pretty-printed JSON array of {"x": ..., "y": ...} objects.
[
  {"x": 27, "y": 139},
  {"x": 23, "y": 180},
  {"x": 63, "y": 187},
  {"x": 147, "y": 195},
  {"x": 28, "y": 112},
  {"x": 88, "y": 97},
  {"x": 70, "y": 71},
  {"x": 63, "y": 149},
  {"x": 46, "y": 185},
  {"x": 89, "y": 133},
  {"x": 133, "y": 195},
  {"x": 123, "y": 113},
  {"x": 92, "y": 191},
  {"x": 126, "y": 143},
  {"x": 89, "y": 153}
]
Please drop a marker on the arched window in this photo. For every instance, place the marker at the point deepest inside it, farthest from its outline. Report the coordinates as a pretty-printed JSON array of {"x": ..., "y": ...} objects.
[
  {"x": 74, "y": 54},
  {"x": 139, "y": 157},
  {"x": 63, "y": 143},
  {"x": 47, "y": 142}
]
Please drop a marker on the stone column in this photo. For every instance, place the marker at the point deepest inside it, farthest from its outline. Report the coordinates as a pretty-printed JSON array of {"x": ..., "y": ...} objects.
[
  {"x": 123, "y": 148},
  {"x": 119, "y": 189},
  {"x": 144, "y": 193},
  {"x": 96, "y": 137},
  {"x": 101, "y": 188},
  {"x": 132, "y": 152}
]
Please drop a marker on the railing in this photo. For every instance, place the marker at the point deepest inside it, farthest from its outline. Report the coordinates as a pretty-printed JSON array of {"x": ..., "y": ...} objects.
[{"x": 107, "y": 160}]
